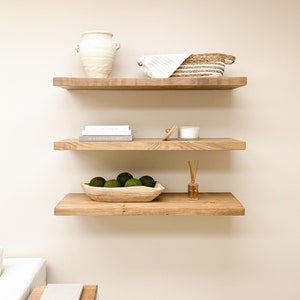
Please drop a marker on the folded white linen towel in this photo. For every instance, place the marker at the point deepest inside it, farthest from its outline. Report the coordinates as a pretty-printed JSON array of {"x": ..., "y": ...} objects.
[{"x": 162, "y": 66}]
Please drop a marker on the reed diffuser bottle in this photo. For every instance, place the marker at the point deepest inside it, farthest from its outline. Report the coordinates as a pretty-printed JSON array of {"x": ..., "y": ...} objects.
[{"x": 193, "y": 186}]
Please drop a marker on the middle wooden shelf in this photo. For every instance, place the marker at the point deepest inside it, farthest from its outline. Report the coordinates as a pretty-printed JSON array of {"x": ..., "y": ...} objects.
[{"x": 150, "y": 144}]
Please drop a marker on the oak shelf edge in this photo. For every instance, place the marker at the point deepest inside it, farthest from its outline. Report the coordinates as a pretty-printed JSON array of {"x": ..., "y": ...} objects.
[
  {"x": 150, "y": 144},
  {"x": 183, "y": 83},
  {"x": 167, "y": 204}
]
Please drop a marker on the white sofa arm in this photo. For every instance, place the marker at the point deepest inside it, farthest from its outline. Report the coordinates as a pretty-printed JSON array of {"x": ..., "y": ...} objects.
[{"x": 20, "y": 276}]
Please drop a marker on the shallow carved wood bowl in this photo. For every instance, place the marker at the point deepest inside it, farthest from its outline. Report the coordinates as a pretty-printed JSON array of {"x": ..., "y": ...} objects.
[{"x": 123, "y": 194}]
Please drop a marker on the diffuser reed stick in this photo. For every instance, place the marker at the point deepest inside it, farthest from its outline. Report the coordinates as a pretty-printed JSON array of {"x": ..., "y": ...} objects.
[{"x": 193, "y": 170}]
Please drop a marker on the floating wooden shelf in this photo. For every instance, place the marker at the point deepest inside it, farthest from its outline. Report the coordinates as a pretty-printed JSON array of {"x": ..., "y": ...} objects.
[
  {"x": 154, "y": 144},
  {"x": 207, "y": 83},
  {"x": 176, "y": 204}
]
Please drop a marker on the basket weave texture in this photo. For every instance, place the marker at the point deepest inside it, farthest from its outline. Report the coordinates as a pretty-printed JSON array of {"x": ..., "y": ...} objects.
[{"x": 204, "y": 65}]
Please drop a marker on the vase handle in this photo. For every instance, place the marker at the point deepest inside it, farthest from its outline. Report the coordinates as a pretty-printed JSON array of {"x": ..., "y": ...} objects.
[
  {"x": 117, "y": 45},
  {"x": 77, "y": 48}
]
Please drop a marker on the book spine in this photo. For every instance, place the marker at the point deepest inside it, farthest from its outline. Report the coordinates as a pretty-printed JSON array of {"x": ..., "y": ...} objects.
[
  {"x": 105, "y": 138},
  {"x": 101, "y": 127},
  {"x": 106, "y": 132}
]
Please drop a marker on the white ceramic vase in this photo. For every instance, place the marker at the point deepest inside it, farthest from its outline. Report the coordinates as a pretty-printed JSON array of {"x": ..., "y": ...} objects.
[{"x": 97, "y": 52}]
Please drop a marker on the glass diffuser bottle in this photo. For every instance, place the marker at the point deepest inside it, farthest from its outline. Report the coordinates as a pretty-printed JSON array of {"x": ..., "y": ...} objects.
[{"x": 193, "y": 186}]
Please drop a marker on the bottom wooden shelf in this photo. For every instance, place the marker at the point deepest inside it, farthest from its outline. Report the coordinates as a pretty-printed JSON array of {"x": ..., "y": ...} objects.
[
  {"x": 175, "y": 204},
  {"x": 89, "y": 292}
]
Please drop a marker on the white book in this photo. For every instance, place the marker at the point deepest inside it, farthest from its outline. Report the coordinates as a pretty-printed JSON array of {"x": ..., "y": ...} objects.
[
  {"x": 97, "y": 127},
  {"x": 62, "y": 292},
  {"x": 107, "y": 132}
]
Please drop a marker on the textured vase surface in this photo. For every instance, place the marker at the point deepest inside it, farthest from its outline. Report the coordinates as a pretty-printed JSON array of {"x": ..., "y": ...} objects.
[{"x": 97, "y": 52}]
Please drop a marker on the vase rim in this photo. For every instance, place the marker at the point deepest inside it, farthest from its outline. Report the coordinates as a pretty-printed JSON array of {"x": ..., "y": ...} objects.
[{"x": 97, "y": 31}]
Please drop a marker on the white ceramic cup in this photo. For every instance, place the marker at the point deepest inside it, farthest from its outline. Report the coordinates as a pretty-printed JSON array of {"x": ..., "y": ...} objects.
[{"x": 188, "y": 132}]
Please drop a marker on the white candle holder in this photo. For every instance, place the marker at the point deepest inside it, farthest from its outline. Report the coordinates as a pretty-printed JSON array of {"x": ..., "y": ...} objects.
[{"x": 188, "y": 132}]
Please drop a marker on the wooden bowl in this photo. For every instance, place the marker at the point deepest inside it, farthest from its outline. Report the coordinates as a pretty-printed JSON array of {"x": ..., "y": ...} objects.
[{"x": 123, "y": 194}]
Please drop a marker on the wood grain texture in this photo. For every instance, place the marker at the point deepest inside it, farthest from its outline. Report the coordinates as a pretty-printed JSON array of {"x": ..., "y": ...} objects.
[
  {"x": 207, "y": 83},
  {"x": 175, "y": 204},
  {"x": 89, "y": 292},
  {"x": 153, "y": 144}
]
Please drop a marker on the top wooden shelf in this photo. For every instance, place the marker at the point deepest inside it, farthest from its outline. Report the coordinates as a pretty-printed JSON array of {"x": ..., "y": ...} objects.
[{"x": 207, "y": 83}]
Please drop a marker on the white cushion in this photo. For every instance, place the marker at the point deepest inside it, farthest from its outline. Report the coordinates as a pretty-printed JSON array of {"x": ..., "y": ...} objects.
[
  {"x": 1, "y": 260},
  {"x": 20, "y": 276}
]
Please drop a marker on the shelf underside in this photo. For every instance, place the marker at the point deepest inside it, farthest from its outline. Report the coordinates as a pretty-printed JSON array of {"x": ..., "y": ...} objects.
[
  {"x": 207, "y": 83},
  {"x": 176, "y": 204},
  {"x": 153, "y": 144}
]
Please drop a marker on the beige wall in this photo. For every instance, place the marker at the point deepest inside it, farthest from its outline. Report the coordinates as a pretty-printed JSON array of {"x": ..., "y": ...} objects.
[{"x": 251, "y": 257}]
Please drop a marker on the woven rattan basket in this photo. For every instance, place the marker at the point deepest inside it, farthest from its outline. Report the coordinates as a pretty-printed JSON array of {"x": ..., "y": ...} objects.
[{"x": 204, "y": 65}]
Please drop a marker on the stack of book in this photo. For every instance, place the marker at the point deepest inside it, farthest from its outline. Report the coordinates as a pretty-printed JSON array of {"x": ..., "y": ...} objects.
[{"x": 106, "y": 133}]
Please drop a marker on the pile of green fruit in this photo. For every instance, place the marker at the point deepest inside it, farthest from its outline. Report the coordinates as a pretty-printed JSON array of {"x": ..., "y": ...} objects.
[{"x": 124, "y": 179}]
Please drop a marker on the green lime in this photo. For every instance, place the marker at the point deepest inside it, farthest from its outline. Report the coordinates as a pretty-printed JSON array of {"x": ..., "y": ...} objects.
[
  {"x": 97, "y": 181},
  {"x": 147, "y": 181},
  {"x": 133, "y": 182},
  {"x": 112, "y": 183},
  {"x": 123, "y": 177}
]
